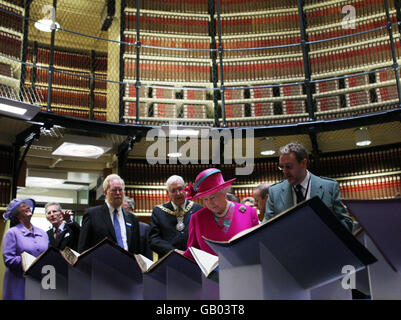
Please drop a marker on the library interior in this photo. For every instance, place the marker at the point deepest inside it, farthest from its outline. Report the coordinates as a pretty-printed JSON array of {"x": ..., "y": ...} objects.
[{"x": 236, "y": 79}]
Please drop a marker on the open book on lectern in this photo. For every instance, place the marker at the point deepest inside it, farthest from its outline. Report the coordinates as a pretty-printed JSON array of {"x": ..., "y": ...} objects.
[
  {"x": 307, "y": 239},
  {"x": 148, "y": 265},
  {"x": 52, "y": 256}
]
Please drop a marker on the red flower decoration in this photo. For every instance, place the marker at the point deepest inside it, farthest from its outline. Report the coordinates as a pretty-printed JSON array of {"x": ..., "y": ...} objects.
[{"x": 189, "y": 189}]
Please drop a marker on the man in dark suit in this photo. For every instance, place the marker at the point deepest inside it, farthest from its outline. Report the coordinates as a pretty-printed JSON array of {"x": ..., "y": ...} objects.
[
  {"x": 301, "y": 185},
  {"x": 110, "y": 220},
  {"x": 169, "y": 221},
  {"x": 64, "y": 231}
]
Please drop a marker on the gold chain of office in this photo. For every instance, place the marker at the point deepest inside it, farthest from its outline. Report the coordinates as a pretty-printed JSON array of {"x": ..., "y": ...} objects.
[{"x": 179, "y": 213}]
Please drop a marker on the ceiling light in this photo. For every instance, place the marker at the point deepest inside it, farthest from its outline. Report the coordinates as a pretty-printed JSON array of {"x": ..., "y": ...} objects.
[
  {"x": 362, "y": 138},
  {"x": 18, "y": 109},
  {"x": 46, "y": 25},
  {"x": 82, "y": 146},
  {"x": 267, "y": 147}
]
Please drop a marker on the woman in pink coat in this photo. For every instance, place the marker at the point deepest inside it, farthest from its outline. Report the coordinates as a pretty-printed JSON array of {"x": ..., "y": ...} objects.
[{"x": 220, "y": 219}]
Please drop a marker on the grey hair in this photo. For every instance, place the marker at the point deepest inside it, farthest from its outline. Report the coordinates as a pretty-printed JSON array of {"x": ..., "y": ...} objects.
[
  {"x": 250, "y": 199},
  {"x": 53, "y": 204},
  {"x": 298, "y": 149},
  {"x": 106, "y": 182},
  {"x": 225, "y": 190},
  {"x": 130, "y": 202},
  {"x": 173, "y": 179}
]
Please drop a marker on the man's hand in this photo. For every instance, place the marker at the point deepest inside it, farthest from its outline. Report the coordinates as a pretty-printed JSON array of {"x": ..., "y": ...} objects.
[{"x": 67, "y": 214}]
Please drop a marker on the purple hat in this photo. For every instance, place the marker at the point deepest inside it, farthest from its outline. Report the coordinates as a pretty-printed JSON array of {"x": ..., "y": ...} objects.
[
  {"x": 14, "y": 204},
  {"x": 206, "y": 182}
]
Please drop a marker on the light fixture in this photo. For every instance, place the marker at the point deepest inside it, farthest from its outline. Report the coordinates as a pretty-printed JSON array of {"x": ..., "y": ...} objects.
[
  {"x": 47, "y": 25},
  {"x": 267, "y": 147},
  {"x": 83, "y": 146},
  {"x": 362, "y": 138},
  {"x": 18, "y": 109}
]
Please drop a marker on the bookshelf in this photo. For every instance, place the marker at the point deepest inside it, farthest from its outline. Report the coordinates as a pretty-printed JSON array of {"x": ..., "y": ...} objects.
[
  {"x": 6, "y": 170},
  {"x": 11, "y": 24},
  {"x": 362, "y": 174},
  {"x": 175, "y": 77},
  {"x": 72, "y": 92}
]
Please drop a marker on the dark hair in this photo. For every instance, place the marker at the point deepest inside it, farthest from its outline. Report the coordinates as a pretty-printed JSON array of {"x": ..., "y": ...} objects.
[{"x": 298, "y": 149}]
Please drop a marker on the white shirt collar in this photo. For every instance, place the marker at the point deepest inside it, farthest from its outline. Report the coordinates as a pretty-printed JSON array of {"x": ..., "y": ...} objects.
[
  {"x": 176, "y": 207},
  {"x": 305, "y": 182},
  {"x": 111, "y": 208}
]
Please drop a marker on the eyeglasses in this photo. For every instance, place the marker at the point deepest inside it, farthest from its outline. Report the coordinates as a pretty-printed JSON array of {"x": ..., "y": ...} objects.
[
  {"x": 287, "y": 166},
  {"x": 116, "y": 190}
]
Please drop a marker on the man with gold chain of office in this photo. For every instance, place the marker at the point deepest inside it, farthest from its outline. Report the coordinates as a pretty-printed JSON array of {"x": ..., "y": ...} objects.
[{"x": 169, "y": 221}]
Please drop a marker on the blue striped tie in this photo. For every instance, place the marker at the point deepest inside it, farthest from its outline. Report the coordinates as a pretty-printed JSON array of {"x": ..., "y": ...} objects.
[{"x": 117, "y": 229}]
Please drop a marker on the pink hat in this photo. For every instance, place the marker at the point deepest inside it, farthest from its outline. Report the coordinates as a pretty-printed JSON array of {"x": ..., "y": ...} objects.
[{"x": 206, "y": 182}]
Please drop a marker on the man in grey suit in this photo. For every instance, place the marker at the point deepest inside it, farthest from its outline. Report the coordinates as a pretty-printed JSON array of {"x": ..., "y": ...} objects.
[
  {"x": 301, "y": 185},
  {"x": 110, "y": 220}
]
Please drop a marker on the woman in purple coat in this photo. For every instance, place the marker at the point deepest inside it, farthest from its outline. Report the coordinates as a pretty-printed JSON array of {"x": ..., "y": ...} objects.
[
  {"x": 22, "y": 236},
  {"x": 220, "y": 219}
]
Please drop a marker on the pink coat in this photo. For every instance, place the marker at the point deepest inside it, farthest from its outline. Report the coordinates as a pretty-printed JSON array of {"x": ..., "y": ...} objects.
[{"x": 202, "y": 223}]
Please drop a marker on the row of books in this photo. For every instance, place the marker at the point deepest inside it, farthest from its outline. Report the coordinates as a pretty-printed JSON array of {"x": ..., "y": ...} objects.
[
  {"x": 73, "y": 98},
  {"x": 260, "y": 42},
  {"x": 274, "y": 120},
  {"x": 11, "y": 18},
  {"x": 19, "y": 3},
  {"x": 166, "y": 110},
  {"x": 84, "y": 114},
  {"x": 165, "y": 93},
  {"x": 333, "y": 13},
  {"x": 337, "y": 30},
  {"x": 239, "y": 6},
  {"x": 200, "y": 6},
  {"x": 340, "y": 165},
  {"x": 168, "y": 71},
  {"x": 362, "y": 163},
  {"x": 6, "y": 163},
  {"x": 372, "y": 36},
  {"x": 353, "y": 112},
  {"x": 76, "y": 80},
  {"x": 261, "y": 70},
  {"x": 261, "y": 23},
  {"x": 375, "y": 188},
  {"x": 6, "y": 70},
  {"x": 195, "y": 6},
  {"x": 166, "y": 42},
  {"x": 352, "y": 57},
  {"x": 10, "y": 45},
  {"x": 67, "y": 59},
  {"x": 162, "y": 23},
  {"x": 5, "y": 192}
]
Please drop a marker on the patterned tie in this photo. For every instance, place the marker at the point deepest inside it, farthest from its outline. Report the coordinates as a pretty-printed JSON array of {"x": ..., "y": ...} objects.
[
  {"x": 299, "y": 193},
  {"x": 117, "y": 229}
]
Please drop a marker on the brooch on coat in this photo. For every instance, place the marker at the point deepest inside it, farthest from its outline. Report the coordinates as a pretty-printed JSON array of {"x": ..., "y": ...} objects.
[{"x": 242, "y": 209}]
